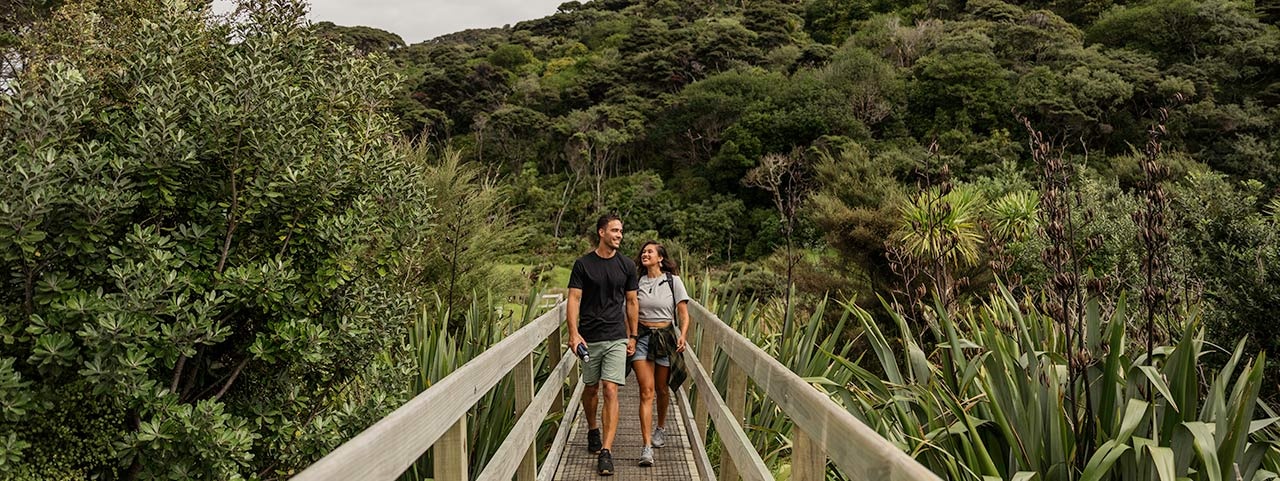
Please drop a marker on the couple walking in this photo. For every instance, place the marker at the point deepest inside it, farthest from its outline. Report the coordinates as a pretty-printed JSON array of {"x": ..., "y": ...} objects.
[{"x": 619, "y": 313}]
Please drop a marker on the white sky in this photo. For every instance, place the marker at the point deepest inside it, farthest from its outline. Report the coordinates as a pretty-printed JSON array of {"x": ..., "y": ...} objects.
[{"x": 420, "y": 20}]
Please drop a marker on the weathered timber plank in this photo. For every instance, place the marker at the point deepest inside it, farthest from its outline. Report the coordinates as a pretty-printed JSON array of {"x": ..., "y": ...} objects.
[
  {"x": 706, "y": 355},
  {"x": 736, "y": 400},
  {"x": 451, "y": 453},
  {"x": 808, "y": 460},
  {"x": 523, "y": 372},
  {"x": 561, "y": 442},
  {"x": 735, "y": 441},
  {"x": 700, "y": 459},
  {"x": 506, "y": 461}
]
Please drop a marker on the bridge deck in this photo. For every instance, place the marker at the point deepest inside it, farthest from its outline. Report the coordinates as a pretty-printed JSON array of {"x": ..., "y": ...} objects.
[{"x": 673, "y": 462}]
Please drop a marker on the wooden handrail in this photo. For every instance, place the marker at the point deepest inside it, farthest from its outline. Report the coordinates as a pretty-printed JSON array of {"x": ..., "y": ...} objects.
[
  {"x": 387, "y": 448},
  {"x": 502, "y": 465},
  {"x": 561, "y": 441},
  {"x": 856, "y": 449},
  {"x": 736, "y": 443},
  {"x": 703, "y": 464}
]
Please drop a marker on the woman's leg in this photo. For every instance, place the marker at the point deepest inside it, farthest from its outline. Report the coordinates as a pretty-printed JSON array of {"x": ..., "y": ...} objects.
[
  {"x": 644, "y": 378},
  {"x": 664, "y": 394}
]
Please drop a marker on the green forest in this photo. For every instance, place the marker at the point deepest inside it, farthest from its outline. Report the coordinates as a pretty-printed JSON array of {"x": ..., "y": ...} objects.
[{"x": 1024, "y": 239}]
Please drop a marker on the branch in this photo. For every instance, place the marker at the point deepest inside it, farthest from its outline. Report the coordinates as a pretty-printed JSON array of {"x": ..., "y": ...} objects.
[
  {"x": 177, "y": 373},
  {"x": 232, "y": 220},
  {"x": 234, "y": 374}
]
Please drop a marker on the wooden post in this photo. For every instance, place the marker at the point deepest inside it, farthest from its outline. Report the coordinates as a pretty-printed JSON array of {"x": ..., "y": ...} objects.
[
  {"x": 555, "y": 352},
  {"x": 706, "y": 356},
  {"x": 523, "y": 374},
  {"x": 736, "y": 399},
  {"x": 451, "y": 453},
  {"x": 808, "y": 460}
]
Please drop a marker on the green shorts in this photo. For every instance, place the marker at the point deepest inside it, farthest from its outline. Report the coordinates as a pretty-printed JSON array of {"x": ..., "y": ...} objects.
[{"x": 608, "y": 361}]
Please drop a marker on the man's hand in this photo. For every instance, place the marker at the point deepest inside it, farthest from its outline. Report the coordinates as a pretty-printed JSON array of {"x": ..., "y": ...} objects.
[
  {"x": 574, "y": 340},
  {"x": 631, "y": 346},
  {"x": 680, "y": 344}
]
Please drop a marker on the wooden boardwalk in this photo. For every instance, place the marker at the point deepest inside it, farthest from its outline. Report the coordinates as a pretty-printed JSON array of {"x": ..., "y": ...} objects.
[
  {"x": 673, "y": 462},
  {"x": 824, "y": 433}
]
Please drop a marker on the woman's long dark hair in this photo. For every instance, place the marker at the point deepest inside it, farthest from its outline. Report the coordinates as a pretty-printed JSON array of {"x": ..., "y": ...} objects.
[{"x": 666, "y": 265}]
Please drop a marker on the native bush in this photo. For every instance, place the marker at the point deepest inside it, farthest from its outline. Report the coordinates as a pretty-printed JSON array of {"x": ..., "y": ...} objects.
[{"x": 202, "y": 232}]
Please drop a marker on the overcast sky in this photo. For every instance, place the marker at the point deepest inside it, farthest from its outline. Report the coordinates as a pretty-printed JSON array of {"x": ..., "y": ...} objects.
[{"x": 419, "y": 20}]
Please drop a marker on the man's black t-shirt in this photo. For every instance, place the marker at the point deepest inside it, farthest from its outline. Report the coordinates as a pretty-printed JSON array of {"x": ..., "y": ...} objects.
[{"x": 604, "y": 282}]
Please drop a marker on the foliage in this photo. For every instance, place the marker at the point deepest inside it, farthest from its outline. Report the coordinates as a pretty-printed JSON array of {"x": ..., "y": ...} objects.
[
  {"x": 195, "y": 224},
  {"x": 1235, "y": 253},
  {"x": 365, "y": 40},
  {"x": 472, "y": 227},
  {"x": 942, "y": 226},
  {"x": 987, "y": 401}
]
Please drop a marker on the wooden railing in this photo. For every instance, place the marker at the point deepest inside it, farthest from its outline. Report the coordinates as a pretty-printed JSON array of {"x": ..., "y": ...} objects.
[
  {"x": 823, "y": 429},
  {"x": 436, "y": 418}
]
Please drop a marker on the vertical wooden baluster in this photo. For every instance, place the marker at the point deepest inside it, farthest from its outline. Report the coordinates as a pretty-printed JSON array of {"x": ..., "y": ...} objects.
[
  {"x": 707, "y": 357},
  {"x": 451, "y": 453},
  {"x": 555, "y": 352},
  {"x": 523, "y": 377},
  {"x": 808, "y": 460},
  {"x": 736, "y": 399}
]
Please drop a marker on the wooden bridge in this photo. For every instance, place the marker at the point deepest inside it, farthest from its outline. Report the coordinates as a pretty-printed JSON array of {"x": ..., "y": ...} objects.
[{"x": 436, "y": 419}]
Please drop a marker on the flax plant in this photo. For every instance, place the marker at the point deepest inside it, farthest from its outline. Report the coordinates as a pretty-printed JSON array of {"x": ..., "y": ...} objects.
[{"x": 987, "y": 402}]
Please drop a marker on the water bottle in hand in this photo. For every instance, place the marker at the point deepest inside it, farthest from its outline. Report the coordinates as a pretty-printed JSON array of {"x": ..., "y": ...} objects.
[{"x": 581, "y": 351}]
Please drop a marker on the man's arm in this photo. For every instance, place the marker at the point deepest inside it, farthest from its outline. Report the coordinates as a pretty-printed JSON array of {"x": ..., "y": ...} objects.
[
  {"x": 633, "y": 320},
  {"x": 571, "y": 317}
]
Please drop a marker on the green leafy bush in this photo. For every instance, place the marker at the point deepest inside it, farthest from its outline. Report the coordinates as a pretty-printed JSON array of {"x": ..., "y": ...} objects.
[{"x": 201, "y": 232}]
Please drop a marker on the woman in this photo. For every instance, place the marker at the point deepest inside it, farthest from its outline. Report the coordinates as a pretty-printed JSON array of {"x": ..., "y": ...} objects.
[{"x": 662, "y": 299}]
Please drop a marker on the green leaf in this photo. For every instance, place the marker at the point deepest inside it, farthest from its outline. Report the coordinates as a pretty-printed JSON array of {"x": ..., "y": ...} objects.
[
  {"x": 1202, "y": 437},
  {"x": 1261, "y": 424},
  {"x": 1134, "y": 413},
  {"x": 1162, "y": 457},
  {"x": 1102, "y": 460},
  {"x": 1157, "y": 380}
]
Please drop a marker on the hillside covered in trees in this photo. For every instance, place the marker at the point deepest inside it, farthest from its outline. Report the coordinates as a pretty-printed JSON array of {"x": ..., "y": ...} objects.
[{"x": 662, "y": 110}]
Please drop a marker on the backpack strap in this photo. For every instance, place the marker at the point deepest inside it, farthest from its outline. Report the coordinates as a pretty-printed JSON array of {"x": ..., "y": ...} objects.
[{"x": 675, "y": 311}]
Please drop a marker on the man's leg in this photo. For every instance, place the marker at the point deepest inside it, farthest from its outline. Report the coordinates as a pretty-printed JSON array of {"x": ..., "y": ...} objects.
[
  {"x": 613, "y": 371},
  {"x": 590, "y": 396},
  {"x": 609, "y": 421},
  {"x": 590, "y": 403}
]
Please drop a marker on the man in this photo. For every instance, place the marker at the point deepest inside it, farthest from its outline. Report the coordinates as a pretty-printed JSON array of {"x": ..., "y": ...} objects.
[{"x": 603, "y": 313}]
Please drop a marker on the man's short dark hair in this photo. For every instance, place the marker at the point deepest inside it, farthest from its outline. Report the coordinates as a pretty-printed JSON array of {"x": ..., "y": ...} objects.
[{"x": 605, "y": 220}]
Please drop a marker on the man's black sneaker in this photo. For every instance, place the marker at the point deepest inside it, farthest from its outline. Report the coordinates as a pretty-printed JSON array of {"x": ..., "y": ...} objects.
[
  {"x": 604, "y": 464},
  {"x": 593, "y": 441}
]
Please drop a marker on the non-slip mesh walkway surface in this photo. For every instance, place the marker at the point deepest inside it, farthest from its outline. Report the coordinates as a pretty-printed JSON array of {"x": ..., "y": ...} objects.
[{"x": 675, "y": 461}]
